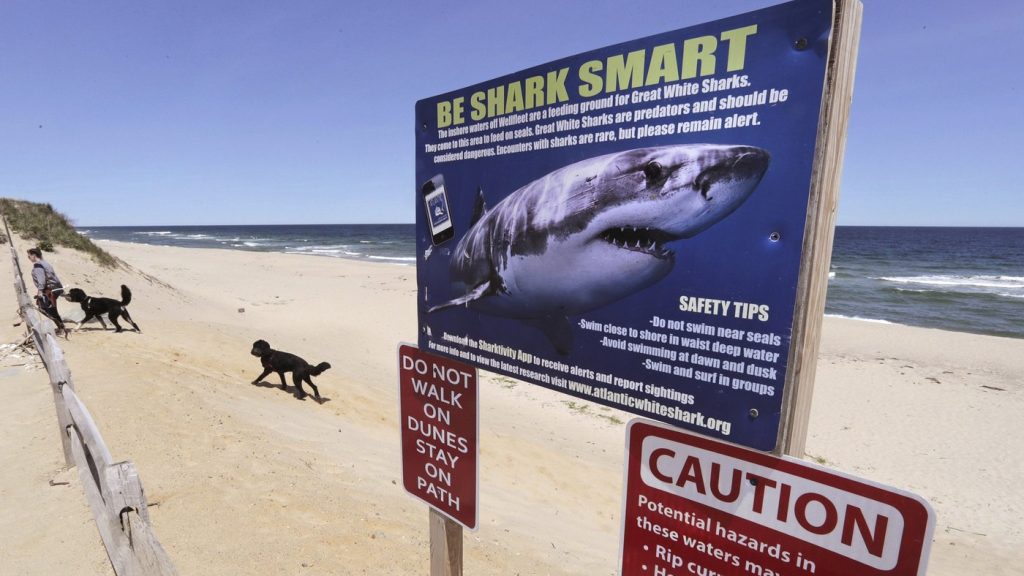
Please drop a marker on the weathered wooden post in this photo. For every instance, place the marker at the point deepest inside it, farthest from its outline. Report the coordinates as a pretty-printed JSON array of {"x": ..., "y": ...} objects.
[
  {"x": 820, "y": 227},
  {"x": 445, "y": 546}
]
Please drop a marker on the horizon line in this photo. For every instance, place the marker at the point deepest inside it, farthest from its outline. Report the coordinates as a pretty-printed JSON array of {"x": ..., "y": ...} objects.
[{"x": 413, "y": 223}]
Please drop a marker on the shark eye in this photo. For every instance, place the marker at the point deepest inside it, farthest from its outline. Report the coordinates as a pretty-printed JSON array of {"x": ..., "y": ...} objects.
[{"x": 654, "y": 171}]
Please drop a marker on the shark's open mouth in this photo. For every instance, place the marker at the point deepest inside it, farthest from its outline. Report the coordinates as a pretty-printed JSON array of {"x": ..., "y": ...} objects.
[{"x": 650, "y": 241}]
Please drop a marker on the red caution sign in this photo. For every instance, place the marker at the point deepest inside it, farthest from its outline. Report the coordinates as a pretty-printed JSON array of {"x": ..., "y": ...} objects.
[
  {"x": 439, "y": 408},
  {"x": 696, "y": 506}
]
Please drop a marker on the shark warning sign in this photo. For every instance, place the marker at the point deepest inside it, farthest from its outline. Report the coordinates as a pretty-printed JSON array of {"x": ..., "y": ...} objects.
[
  {"x": 626, "y": 225},
  {"x": 693, "y": 505}
]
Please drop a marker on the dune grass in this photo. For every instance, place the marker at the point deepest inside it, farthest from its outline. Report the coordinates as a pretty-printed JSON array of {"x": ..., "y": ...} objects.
[{"x": 49, "y": 228}]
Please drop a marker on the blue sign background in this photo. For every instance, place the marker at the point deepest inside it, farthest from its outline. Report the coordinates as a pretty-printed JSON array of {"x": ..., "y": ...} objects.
[{"x": 751, "y": 256}]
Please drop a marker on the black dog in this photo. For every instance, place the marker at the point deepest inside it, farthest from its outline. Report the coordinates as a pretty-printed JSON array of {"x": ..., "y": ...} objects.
[
  {"x": 281, "y": 362},
  {"x": 98, "y": 307}
]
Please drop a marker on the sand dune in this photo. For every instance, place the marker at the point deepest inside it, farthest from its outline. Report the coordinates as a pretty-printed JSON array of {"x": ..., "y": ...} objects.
[{"x": 246, "y": 479}]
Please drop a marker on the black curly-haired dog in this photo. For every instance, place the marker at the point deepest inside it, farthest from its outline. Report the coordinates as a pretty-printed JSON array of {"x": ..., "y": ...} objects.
[
  {"x": 281, "y": 362},
  {"x": 95, "y": 307}
]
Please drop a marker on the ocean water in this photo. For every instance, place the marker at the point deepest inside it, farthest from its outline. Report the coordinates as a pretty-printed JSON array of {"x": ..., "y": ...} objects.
[
  {"x": 960, "y": 279},
  {"x": 379, "y": 242}
]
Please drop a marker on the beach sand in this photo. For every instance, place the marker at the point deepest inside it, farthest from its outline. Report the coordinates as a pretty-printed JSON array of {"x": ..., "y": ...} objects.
[{"x": 246, "y": 479}]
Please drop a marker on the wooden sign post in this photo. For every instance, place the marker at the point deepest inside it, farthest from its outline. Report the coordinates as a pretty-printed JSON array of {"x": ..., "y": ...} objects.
[
  {"x": 439, "y": 411},
  {"x": 820, "y": 227},
  {"x": 445, "y": 545}
]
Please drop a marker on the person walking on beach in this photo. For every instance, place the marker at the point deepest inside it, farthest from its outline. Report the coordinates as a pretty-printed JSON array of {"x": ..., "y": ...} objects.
[{"x": 48, "y": 288}]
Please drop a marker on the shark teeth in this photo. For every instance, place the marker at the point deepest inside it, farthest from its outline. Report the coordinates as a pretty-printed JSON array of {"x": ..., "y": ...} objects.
[{"x": 649, "y": 241}]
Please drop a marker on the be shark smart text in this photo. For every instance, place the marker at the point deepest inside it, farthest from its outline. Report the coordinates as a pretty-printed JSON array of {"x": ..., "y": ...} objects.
[{"x": 662, "y": 64}]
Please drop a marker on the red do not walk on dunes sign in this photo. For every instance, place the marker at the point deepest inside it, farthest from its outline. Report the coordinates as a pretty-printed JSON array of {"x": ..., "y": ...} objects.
[{"x": 439, "y": 408}]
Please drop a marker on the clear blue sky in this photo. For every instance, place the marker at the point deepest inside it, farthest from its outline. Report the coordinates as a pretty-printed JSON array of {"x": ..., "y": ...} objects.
[{"x": 302, "y": 111}]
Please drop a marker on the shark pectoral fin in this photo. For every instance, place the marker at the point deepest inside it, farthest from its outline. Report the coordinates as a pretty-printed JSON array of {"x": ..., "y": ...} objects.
[
  {"x": 558, "y": 331},
  {"x": 481, "y": 291}
]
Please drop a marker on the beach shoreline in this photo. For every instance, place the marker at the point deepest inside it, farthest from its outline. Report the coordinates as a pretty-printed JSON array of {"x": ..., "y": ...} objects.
[
  {"x": 246, "y": 479},
  {"x": 957, "y": 279}
]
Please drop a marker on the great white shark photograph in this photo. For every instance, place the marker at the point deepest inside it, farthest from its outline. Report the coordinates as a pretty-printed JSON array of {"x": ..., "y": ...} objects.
[{"x": 594, "y": 232}]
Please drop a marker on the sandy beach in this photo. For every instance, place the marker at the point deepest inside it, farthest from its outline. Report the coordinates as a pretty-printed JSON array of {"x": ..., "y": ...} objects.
[{"x": 246, "y": 479}]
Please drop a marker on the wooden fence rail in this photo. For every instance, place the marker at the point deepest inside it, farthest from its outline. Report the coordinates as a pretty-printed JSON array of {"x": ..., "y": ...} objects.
[{"x": 112, "y": 489}]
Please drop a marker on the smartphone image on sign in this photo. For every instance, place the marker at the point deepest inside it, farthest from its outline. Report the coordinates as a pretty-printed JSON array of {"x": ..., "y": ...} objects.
[{"x": 435, "y": 200}]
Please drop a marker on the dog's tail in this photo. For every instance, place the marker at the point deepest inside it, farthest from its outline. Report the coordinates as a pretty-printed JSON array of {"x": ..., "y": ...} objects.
[
  {"x": 126, "y": 295},
  {"x": 319, "y": 368}
]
